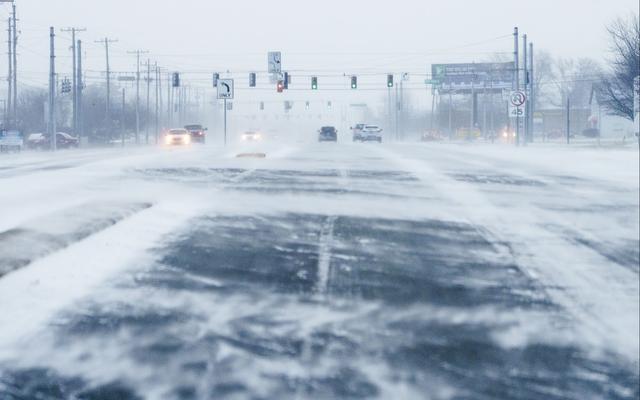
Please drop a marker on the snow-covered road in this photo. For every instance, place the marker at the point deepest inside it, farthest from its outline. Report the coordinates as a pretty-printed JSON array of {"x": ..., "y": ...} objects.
[{"x": 394, "y": 271}]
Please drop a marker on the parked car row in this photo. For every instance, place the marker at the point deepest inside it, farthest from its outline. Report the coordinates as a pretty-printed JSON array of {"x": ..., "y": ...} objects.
[{"x": 42, "y": 141}]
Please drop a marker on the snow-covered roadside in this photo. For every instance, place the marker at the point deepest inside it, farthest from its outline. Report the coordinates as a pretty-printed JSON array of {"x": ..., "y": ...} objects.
[
  {"x": 31, "y": 296},
  {"x": 601, "y": 296}
]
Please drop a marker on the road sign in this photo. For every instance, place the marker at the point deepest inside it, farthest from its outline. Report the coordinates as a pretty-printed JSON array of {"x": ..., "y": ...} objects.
[
  {"x": 518, "y": 98},
  {"x": 225, "y": 89},
  {"x": 517, "y": 111},
  {"x": 275, "y": 62},
  {"x": 467, "y": 78}
]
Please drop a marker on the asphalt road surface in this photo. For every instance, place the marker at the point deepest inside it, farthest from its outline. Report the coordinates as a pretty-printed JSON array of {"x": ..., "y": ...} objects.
[{"x": 323, "y": 271}]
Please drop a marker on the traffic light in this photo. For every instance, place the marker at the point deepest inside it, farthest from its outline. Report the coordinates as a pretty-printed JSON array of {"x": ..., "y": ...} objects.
[
  {"x": 66, "y": 86},
  {"x": 306, "y": 105},
  {"x": 176, "y": 79},
  {"x": 389, "y": 81},
  {"x": 328, "y": 104},
  {"x": 287, "y": 80},
  {"x": 280, "y": 86},
  {"x": 252, "y": 79},
  {"x": 216, "y": 78},
  {"x": 314, "y": 83},
  {"x": 354, "y": 82}
]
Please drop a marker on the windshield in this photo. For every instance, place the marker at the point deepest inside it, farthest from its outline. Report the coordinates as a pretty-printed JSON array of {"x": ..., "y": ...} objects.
[{"x": 320, "y": 200}]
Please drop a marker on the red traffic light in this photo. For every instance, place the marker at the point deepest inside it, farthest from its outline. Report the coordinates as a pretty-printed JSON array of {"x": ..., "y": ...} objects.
[{"x": 280, "y": 86}]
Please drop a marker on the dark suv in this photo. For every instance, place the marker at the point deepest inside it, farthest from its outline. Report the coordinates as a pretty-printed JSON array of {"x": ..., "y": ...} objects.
[
  {"x": 328, "y": 134},
  {"x": 198, "y": 133}
]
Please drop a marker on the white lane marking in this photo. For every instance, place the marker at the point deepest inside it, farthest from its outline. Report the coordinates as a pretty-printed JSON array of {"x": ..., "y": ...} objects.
[{"x": 324, "y": 254}]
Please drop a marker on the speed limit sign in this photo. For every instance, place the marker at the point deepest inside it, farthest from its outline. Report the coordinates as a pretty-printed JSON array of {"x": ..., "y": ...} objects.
[{"x": 518, "y": 98}]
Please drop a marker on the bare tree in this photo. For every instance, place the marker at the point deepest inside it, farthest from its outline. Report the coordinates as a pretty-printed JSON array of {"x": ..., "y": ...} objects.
[
  {"x": 544, "y": 75},
  {"x": 617, "y": 88},
  {"x": 574, "y": 80}
]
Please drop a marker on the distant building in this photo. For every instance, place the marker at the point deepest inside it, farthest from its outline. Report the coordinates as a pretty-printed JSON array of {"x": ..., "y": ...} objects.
[{"x": 604, "y": 123}]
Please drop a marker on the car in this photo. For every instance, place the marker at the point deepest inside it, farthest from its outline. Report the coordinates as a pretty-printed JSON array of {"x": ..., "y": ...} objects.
[
  {"x": 357, "y": 131},
  {"x": 328, "y": 134},
  {"x": 177, "y": 137},
  {"x": 37, "y": 141},
  {"x": 198, "y": 133},
  {"x": 431, "y": 136},
  {"x": 251, "y": 136},
  {"x": 11, "y": 141},
  {"x": 368, "y": 133},
  {"x": 66, "y": 141},
  {"x": 42, "y": 141}
]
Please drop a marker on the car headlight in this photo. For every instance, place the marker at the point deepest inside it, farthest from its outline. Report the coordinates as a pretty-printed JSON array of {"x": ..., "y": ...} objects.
[
  {"x": 167, "y": 139},
  {"x": 187, "y": 139}
]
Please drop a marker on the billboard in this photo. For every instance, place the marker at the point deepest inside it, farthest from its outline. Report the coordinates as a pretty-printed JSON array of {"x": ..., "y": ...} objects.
[{"x": 465, "y": 78}]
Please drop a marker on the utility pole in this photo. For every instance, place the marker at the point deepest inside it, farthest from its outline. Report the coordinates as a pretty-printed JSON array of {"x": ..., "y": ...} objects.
[
  {"x": 15, "y": 65},
  {"x": 75, "y": 75},
  {"x": 390, "y": 106},
  {"x": 525, "y": 85},
  {"x": 450, "y": 111},
  {"x": 106, "y": 42},
  {"x": 397, "y": 107},
  {"x": 137, "y": 53},
  {"x": 79, "y": 89},
  {"x": 516, "y": 56},
  {"x": 532, "y": 94},
  {"x": 169, "y": 101},
  {"x": 148, "y": 107},
  {"x": 122, "y": 117},
  {"x": 10, "y": 74},
  {"x": 52, "y": 88},
  {"x": 568, "y": 120},
  {"x": 148, "y": 100},
  {"x": 157, "y": 113}
]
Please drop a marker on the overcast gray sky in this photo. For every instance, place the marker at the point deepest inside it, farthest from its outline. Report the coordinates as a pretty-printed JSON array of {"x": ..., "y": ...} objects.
[{"x": 347, "y": 35}]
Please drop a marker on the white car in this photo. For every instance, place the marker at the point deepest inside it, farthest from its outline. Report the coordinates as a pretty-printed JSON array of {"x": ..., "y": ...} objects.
[
  {"x": 177, "y": 137},
  {"x": 251, "y": 136},
  {"x": 368, "y": 133}
]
